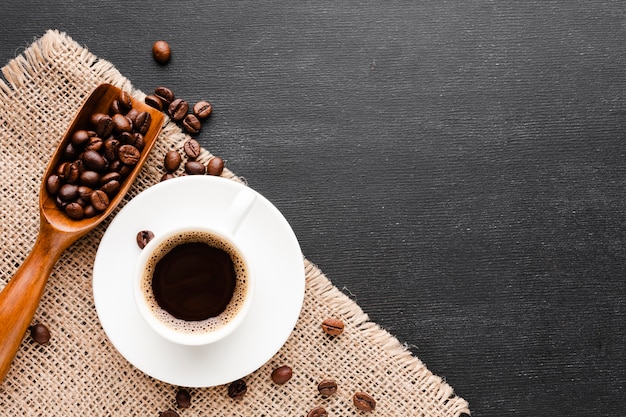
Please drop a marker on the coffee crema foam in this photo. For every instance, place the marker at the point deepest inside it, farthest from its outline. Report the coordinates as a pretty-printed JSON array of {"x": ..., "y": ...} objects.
[{"x": 213, "y": 323}]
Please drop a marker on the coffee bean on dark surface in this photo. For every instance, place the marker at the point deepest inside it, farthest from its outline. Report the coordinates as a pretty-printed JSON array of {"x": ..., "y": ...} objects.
[
  {"x": 327, "y": 387},
  {"x": 178, "y": 109},
  {"x": 215, "y": 166},
  {"x": 40, "y": 333},
  {"x": 202, "y": 109},
  {"x": 191, "y": 124},
  {"x": 192, "y": 149},
  {"x": 364, "y": 401},
  {"x": 237, "y": 389},
  {"x": 144, "y": 237},
  {"x": 172, "y": 161},
  {"x": 282, "y": 374},
  {"x": 195, "y": 168},
  {"x": 332, "y": 326},
  {"x": 153, "y": 101},
  {"x": 169, "y": 413},
  {"x": 183, "y": 398},
  {"x": 161, "y": 51},
  {"x": 318, "y": 411},
  {"x": 165, "y": 94}
]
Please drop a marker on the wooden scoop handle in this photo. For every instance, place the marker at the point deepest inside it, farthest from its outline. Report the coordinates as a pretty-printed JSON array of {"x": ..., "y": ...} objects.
[{"x": 20, "y": 298}]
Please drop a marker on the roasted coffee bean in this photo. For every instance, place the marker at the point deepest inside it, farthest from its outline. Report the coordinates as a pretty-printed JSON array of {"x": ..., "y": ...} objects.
[
  {"x": 192, "y": 149},
  {"x": 111, "y": 147},
  {"x": 125, "y": 137},
  {"x": 165, "y": 94},
  {"x": 202, "y": 109},
  {"x": 121, "y": 123},
  {"x": 215, "y": 166},
  {"x": 99, "y": 200},
  {"x": 178, "y": 109},
  {"x": 142, "y": 122},
  {"x": 237, "y": 389},
  {"x": 53, "y": 184},
  {"x": 143, "y": 237},
  {"x": 84, "y": 192},
  {"x": 115, "y": 107},
  {"x": 89, "y": 211},
  {"x": 111, "y": 188},
  {"x": 172, "y": 161},
  {"x": 40, "y": 333},
  {"x": 327, "y": 387},
  {"x": 192, "y": 124},
  {"x": 93, "y": 160},
  {"x": 137, "y": 141},
  {"x": 183, "y": 398},
  {"x": 169, "y": 413},
  {"x": 94, "y": 144},
  {"x": 74, "y": 211},
  {"x": 132, "y": 115},
  {"x": 363, "y": 401},
  {"x": 195, "y": 168},
  {"x": 318, "y": 411},
  {"x": 128, "y": 154},
  {"x": 161, "y": 52},
  {"x": 80, "y": 137},
  {"x": 70, "y": 151},
  {"x": 111, "y": 176},
  {"x": 125, "y": 102},
  {"x": 90, "y": 179},
  {"x": 282, "y": 374},
  {"x": 153, "y": 101},
  {"x": 104, "y": 125},
  {"x": 167, "y": 176},
  {"x": 332, "y": 326},
  {"x": 73, "y": 172},
  {"x": 68, "y": 192}
]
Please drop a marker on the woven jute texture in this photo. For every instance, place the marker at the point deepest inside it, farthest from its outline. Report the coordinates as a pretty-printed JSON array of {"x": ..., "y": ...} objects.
[{"x": 80, "y": 373}]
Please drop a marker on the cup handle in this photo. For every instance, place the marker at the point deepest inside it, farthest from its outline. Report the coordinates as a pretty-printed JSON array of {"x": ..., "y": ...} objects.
[{"x": 239, "y": 209}]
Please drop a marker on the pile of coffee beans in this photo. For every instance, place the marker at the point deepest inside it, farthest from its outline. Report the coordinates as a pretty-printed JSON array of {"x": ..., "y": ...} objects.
[{"x": 98, "y": 158}]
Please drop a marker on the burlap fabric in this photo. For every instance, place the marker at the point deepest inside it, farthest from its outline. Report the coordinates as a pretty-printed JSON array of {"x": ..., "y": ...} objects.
[{"x": 79, "y": 373}]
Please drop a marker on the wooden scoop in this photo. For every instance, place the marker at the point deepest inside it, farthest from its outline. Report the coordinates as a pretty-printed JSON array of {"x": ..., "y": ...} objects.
[{"x": 20, "y": 298}]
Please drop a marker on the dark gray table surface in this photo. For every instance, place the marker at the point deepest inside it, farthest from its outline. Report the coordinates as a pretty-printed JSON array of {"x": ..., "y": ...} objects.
[{"x": 457, "y": 168}]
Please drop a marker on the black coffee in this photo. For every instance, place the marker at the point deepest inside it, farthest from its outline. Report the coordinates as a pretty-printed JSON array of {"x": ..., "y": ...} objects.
[{"x": 194, "y": 281}]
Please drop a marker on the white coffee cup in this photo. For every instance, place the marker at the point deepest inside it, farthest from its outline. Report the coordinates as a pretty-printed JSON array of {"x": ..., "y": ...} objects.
[{"x": 186, "y": 278}]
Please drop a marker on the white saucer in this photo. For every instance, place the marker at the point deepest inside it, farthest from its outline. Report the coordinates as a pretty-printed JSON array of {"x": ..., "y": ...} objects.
[{"x": 279, "y": 294}]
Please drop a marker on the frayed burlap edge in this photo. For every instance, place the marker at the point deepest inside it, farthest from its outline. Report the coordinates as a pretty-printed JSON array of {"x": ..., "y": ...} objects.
[{"x": 43, "y": 54}]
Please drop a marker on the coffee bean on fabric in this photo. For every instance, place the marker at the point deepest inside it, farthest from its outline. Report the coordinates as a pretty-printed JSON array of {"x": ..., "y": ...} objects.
[
  {"x": 178, "y": 109},
  {"x": 40, "y": 333},
  {"x": 327, "y": 387},
  {"x": 165, "y": 94},
  {"x": 237, "y": 389},
  {"x": 144, "y": 237},
  {"x": 195, "y": 168},
  {"x": 332, "y": 326},
  {"x": 172, "y": 161},
  {"x": 153, "y": 101},
  {"x": 318, "y": 411},
  {"x": 282, "y": 374},
  {"x": 183, "y": 398},
  {"x": 192, "y": 124},
  {"x": 192, "y": 149},
  {"x": 161, "y": 52},
  {"x": 169, "y": 413},
  {"x": 202, "y": 109},
  {"x": 215, "y": 166},
  {"x": 364, "y": 401}
]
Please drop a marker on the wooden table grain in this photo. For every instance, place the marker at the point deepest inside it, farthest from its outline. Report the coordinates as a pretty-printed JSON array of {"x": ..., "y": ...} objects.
[{"x": 457, "y": 168}]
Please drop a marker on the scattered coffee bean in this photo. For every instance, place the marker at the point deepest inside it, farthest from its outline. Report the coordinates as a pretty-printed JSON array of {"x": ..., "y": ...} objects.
[
  {"x": 192, "y": 149},
  {"x": 165, "y": 94},
  {"x": 332, "y": 326},
  {"x": 317, "y": 412},
  {"x": 363, "y": 401},
  {"x": 282, "y": 374},
  {"x": 153, "y": 101},
  {"x": 169, "y": 413},
  {"x": 161, "y": 52},
  {"x": 178, "y": 109},
  {"x": 202, "y": 109},
  {"x": 172, "y": 161},
  {"x": 183, "y": 398},
  {"x": 191, "y": 124},
  {"x": 215, "y": 166},
  {"x": 144, "y": 237},
  {"x": 40, "y": 333},
  {"x": 237, "y": 389},
  {"x": 327, "y": 387},
  {"x": 195, "y": 168}
]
